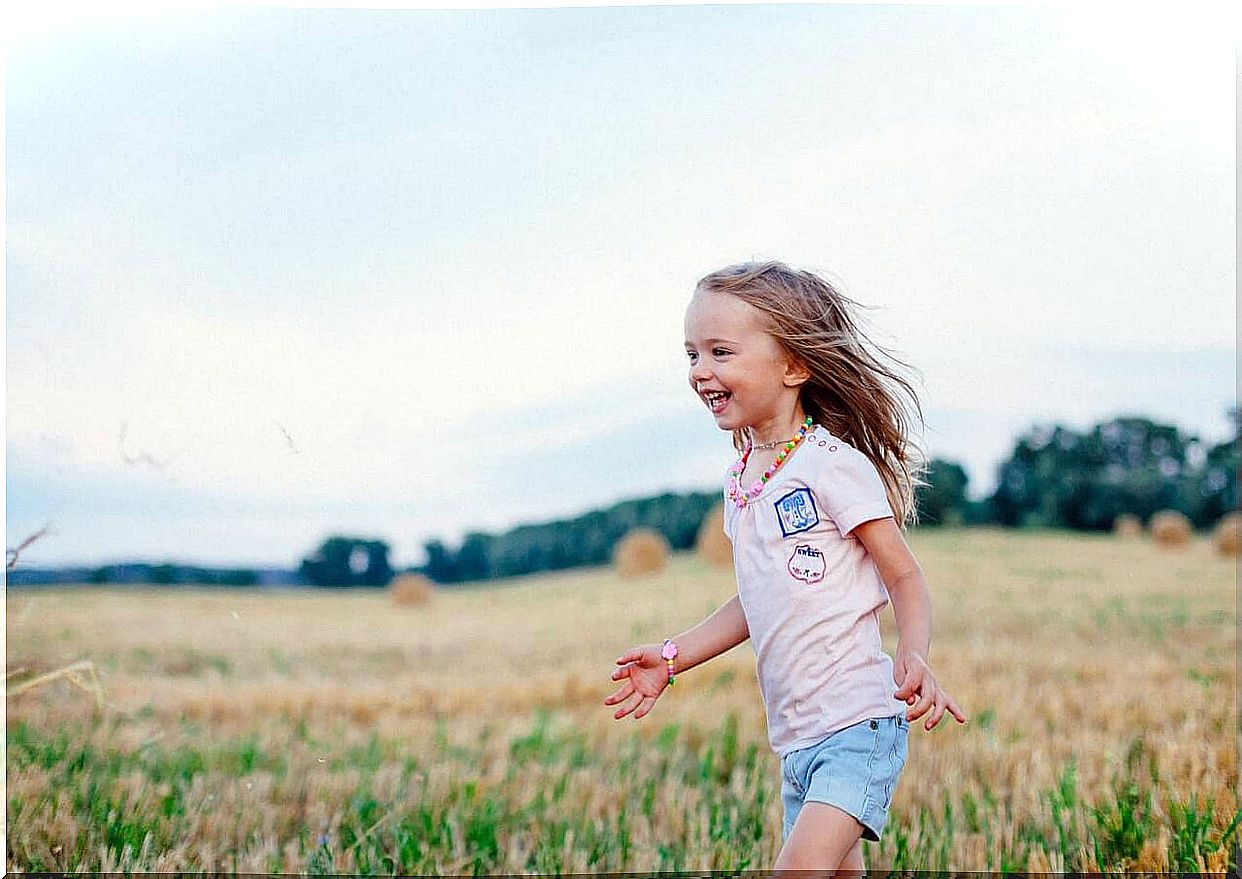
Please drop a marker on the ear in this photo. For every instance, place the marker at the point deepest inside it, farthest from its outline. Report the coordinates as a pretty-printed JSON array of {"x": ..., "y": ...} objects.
[{"x": 795, "y": 373}]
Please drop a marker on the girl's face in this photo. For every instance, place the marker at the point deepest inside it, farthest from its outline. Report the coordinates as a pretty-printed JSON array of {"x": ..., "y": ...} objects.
[{"x": 737, "y": 369}]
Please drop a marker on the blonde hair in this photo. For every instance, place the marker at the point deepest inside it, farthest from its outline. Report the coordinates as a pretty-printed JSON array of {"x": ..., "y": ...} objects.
[{"x": 850, "y": 390}]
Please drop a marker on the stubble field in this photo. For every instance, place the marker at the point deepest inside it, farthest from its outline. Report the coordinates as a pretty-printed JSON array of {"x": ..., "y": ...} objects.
[{"x": 304, "y": 731}]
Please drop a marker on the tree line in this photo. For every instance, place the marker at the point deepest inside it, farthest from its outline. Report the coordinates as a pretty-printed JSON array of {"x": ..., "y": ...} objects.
[{"x": 1054, "y": 477}]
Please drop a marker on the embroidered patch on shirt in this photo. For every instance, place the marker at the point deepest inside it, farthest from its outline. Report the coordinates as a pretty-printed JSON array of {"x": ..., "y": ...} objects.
[
  {"x": 807, "y": 563},
  {"x": 797, "y": 512}
]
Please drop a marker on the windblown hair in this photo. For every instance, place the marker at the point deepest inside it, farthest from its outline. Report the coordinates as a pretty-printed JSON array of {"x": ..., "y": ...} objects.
[{"x": 851, "y": 391}]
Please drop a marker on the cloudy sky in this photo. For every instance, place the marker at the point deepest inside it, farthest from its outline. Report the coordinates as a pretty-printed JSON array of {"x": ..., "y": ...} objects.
[{"x": 277, "y": 274}]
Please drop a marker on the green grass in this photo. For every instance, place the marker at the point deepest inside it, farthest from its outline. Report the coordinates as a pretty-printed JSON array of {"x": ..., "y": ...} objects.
[{"x": 411, "y": 835}]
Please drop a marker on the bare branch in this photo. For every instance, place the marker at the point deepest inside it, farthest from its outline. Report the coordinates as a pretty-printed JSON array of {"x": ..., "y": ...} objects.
[
  {"x": 14, "y": 553},
  {"x": 293, "y": 449}
]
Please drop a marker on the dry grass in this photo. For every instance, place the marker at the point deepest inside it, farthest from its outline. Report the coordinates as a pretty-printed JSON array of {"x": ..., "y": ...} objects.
[
  {"x": 1065, "y": 650},
  {"x": 81, "y": 674},
  {"x": 640, "y": 553}
]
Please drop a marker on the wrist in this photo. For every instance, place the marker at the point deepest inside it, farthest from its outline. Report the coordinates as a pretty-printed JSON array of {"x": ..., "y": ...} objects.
[
  {"x": 911, "y": 652},
  {"x": 669, "y": 653}
]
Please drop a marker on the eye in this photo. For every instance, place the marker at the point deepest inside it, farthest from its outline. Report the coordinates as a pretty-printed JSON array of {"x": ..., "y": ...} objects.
[
  {"x": 720, "y": 352},
  {"x": 691, "y": 355}
]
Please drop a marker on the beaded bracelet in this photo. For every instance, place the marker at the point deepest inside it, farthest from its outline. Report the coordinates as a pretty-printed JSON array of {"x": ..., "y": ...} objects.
[{"x": 669, "y": 652}]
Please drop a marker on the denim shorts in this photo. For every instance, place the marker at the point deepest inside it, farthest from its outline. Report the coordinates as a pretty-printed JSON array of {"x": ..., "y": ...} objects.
[{"x": 854, "y": 769}]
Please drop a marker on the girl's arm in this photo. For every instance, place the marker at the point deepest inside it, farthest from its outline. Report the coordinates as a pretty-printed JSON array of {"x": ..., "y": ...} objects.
[
  {"x": 723, "y": 630},
  {"x": 644, "y": 674},
  {"x": 903, "y": 577}
]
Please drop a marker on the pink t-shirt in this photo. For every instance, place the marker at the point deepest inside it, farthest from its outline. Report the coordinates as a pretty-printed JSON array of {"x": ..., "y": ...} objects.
[{"x": 812, "y": 594}]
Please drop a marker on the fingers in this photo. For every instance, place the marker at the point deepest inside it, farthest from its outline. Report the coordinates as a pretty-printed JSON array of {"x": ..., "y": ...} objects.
[
  {"x": 637, "y": 655},
  {"x": 644, "y": 706},
  {"x": 924, "y": 703},
  {"x": 633, "y": 700},
  {"x": 909, "y": 690},
  {"x": 943, "y": 702},
  {"x": 620, "y": 694},
  {"x": 900, "y": 678},
  {"x": 622, "y": 672}
]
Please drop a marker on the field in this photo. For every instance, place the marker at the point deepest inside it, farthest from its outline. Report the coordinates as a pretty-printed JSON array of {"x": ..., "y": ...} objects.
[{"x": 304, "y": 731}]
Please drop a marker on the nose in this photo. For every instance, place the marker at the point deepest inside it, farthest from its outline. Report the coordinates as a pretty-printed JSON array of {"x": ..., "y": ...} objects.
[{"x": 699, "y": 373}]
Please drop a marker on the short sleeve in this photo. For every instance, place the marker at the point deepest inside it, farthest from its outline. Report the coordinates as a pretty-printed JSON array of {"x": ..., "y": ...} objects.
[{"x": 852, "y": 491}]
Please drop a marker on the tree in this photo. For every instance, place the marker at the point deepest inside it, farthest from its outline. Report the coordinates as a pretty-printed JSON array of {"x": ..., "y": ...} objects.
[
  {"x": 474, "y": 559},
  {"x": 943, "y": 500},
  {"x": 441, "y": 565},
  {"x": 585, "y": 540},
  {"x": 1059, "y": 477},
  {"x": 1213, "y": 490},
  {"x": 348, "y": 561}
]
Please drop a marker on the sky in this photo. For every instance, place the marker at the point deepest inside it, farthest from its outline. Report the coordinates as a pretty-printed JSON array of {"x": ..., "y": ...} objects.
[{"x": 277, "y": 274}]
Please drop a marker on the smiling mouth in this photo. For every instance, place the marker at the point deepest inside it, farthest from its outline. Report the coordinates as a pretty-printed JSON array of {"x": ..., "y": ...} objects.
[{"x": 716, "y": 400}]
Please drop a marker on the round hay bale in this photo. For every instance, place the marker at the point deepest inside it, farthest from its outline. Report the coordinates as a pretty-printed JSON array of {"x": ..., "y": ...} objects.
[
  {"x": 1170, "y": 529},
  {"x": 411, "y": 590},
  {"x": 1127, "y": 525},
  {"x": 712, "y": 544},
  {"x": 1227, "y": 535},
  {"x": 642, "y": 551}
]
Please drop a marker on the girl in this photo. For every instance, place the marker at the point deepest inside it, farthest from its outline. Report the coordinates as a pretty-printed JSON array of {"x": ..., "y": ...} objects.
[{"x": 812, "y": 508}]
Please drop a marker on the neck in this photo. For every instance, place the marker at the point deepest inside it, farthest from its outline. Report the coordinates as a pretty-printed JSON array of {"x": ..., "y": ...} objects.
[{"x": 778, "y": 429}]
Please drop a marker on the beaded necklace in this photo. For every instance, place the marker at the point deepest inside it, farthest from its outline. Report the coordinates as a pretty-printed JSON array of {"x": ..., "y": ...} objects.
[{"x": 742, "y": 498}]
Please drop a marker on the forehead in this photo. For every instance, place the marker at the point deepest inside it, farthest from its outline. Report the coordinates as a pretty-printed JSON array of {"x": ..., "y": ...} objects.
[{"x": 712, "y": 314}]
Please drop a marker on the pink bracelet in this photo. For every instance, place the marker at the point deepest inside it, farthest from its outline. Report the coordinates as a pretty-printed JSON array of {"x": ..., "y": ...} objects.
[{"x": 669, "y": 652}]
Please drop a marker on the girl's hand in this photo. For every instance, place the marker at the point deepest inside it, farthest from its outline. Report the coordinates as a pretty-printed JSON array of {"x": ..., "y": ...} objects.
[
  {"x": 645, "y": 673},
  {"x": 916, "y": 685}
]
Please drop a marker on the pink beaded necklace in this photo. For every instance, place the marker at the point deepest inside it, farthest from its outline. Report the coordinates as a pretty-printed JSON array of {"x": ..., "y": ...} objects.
[{"x": 742, "y": 498}]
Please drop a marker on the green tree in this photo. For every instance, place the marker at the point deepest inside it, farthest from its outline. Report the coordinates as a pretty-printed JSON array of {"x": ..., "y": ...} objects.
[
  {"x": 1213, "y": 489},
  {"x": 348, "y": 561},
  {"x": 441, "y": 565},
  {"x": 1059, "y": 477},
  {"x": 474, "y": 558},
  {"x": 943, "y": 500},
  {"x": 584, "y": 540},
  {"x": 239, "y": 577}
]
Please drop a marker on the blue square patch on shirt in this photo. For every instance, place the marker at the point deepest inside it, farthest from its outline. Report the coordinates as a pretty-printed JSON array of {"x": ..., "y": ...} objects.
[{"x": 797, "y": 512}]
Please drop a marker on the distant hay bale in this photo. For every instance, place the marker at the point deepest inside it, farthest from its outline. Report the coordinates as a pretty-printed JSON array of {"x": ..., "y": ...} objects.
[
  {"x": 1227, "y": 535},
  {"x": 410, "y": 590},
  {"x": 641, "y": 551},
  {"x": 712, "y": 544},
  {"x": 1127, "y": 525},
  {"x": 1170, "y": 529}
]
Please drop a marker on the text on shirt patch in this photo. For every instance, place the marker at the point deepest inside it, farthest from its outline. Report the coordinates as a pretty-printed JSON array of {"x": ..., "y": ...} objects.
[
  {"x": 807, "y": 563},
  {"x": 797, "y": 512}
]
